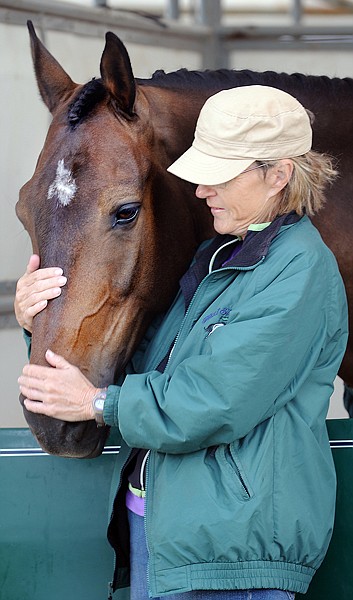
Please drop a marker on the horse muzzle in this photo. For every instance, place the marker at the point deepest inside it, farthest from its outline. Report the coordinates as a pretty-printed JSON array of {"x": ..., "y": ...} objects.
[{"x": 61, "y": 438}]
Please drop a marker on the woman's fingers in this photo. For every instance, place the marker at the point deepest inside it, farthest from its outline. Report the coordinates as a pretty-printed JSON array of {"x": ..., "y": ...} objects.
[
  {"x": 60, "y": 391},
  {"x": 34, "y": 289},
  {"x": 33, "y": 263}
]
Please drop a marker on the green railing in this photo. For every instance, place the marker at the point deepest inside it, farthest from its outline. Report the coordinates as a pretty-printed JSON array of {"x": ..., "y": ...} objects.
[{"x": 53, "y": 521}]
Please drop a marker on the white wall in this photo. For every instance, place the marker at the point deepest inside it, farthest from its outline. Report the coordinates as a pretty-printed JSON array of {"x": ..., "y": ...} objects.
[
  {"x": 23, "y": 124},
  {"x": 334, "y": 63}
]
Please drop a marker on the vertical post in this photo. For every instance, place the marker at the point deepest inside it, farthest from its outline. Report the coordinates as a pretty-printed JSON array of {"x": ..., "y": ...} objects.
[
  {"x": 208, "y": 12},
  {"x": 297, "y": 11},
  {"x": 172, "y": 9}
]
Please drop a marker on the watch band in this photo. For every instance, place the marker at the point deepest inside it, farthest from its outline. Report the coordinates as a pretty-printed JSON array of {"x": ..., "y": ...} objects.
[{"x": 98, "y": 406}]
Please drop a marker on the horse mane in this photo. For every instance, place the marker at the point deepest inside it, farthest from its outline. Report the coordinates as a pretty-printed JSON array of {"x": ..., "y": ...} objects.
[
  {"x": 89, "y": 95},
  {"x": 183, "y": 79}
]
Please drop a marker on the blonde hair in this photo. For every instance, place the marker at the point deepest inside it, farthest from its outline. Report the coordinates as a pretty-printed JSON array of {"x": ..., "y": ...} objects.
[{"x": 304, "y": 192}]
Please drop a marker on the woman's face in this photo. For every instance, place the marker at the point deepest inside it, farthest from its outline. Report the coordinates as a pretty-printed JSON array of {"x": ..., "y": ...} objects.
[{"x": 246, "y": 199}]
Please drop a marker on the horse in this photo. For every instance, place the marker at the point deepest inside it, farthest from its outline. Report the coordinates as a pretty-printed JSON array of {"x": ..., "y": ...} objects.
[{"x": 102, "y": 206}]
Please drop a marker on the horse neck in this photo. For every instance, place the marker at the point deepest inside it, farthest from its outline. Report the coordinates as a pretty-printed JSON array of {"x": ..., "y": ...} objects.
[
  {"x": 179, "y": 106},
  {"x": 173, "y": 114}
]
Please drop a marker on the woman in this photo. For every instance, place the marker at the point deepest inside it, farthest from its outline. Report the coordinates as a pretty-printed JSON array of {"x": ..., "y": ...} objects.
[{"x": 228, "y": 401}]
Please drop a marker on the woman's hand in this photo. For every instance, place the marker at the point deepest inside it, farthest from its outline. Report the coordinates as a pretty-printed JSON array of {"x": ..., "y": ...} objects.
[
  {"x": 34, "y": 289},
  {"x": 60, "y": 391}
]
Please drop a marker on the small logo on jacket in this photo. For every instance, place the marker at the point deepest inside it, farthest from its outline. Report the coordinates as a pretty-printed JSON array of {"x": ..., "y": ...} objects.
[{"x": 220, "y": 312}]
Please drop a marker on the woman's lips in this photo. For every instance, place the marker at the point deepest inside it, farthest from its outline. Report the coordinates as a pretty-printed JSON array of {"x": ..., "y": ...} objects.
[{"x": 216, "y": 209}]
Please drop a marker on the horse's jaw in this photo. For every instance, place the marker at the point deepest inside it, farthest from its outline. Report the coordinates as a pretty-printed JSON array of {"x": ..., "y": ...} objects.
[{"x": 61, "y": 438}]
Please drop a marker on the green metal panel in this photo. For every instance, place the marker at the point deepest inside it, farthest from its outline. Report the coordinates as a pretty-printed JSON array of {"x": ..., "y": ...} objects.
[
  {"x": 334, "y": 579},
  {"x": 54, "y": 513},
  {"x": 53, "y": 520}
]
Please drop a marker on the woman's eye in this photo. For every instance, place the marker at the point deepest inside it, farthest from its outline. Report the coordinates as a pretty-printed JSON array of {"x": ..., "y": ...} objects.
[{"x": 126, "y": 214}]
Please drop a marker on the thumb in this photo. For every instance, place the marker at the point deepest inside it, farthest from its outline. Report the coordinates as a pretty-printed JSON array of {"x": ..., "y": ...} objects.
[
  {"x": 33, "y": 264},
  {"x": 55, "y": 360}
]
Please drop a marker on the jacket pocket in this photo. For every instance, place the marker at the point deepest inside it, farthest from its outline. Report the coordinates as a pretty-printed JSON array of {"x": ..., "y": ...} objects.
[{"x": 238, "y": 481}]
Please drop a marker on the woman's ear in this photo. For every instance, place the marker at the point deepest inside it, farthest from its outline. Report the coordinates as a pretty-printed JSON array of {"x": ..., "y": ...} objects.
[{"x": 282, "y": 173}]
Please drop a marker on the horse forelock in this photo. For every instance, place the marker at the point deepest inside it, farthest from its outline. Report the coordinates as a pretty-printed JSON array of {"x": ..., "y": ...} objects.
[{"x": 86, "y": 99}]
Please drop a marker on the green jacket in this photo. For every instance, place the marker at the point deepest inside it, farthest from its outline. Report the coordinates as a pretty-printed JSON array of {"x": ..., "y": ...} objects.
[{"x": 241, "y": 484}]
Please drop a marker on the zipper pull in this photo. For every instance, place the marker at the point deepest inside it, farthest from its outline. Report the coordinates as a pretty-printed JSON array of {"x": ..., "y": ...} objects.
[
  {"x": 110, "y": 590},
  {"x": 142, "y": 471}
]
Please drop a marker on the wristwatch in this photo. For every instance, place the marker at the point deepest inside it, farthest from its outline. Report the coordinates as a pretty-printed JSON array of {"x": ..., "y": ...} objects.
[{"x": 98, "y": 406}]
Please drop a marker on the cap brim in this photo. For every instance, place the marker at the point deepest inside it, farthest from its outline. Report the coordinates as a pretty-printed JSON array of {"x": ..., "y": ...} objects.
[{"x": 200, "y": 168}]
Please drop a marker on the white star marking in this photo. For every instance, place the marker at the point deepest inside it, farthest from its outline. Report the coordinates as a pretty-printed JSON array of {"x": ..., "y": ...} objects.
[{"x": 64, "y": 186}]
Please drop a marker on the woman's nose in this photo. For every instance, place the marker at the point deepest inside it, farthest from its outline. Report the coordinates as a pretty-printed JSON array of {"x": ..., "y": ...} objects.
[{"x": 203, "y": 191}]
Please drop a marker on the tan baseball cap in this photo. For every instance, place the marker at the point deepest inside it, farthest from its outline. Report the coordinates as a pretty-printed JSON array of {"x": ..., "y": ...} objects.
[{"x": 238, "y": 126}]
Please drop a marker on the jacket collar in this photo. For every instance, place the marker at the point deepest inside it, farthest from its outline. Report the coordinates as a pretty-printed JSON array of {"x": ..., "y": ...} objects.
[{"x": 255, "y": 247}]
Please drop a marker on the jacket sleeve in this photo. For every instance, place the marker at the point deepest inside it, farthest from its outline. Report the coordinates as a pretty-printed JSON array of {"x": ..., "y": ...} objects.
[
  {"x": 27, "y": 336},
  {"x": 249, "y": 370}
]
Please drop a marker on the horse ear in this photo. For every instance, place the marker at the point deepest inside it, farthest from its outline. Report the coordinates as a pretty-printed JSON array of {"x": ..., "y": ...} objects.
[
  {"x": 53, "y": 82},
  {"x": 117, "y": 75}
]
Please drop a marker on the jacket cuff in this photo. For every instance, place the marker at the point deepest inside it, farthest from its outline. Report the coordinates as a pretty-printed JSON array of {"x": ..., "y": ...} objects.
[
  {"x": 110, "y": 411},
  {"x": 27, "y": 336}
]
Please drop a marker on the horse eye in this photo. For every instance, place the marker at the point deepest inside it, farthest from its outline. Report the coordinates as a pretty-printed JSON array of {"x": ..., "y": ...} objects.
[{"x": 126, "y": 214}]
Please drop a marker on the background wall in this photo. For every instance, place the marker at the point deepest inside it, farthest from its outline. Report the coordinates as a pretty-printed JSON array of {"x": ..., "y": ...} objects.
[{"x": 24, "y": 121}]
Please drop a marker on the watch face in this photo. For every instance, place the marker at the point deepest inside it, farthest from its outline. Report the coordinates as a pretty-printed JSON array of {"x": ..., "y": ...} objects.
[{"x": 99, "y": 404}]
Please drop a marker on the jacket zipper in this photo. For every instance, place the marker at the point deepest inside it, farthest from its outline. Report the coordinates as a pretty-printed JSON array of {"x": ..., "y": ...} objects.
[
  {"x": 146, "y": 462},
  {"x": 181, "y": 326},
  {"x": 232, "y": 461},
  {"x": 193, "y": 300}
]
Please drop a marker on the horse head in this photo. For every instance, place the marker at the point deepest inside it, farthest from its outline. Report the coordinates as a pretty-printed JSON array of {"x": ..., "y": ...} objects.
[{"x": 101, "y": 205}]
